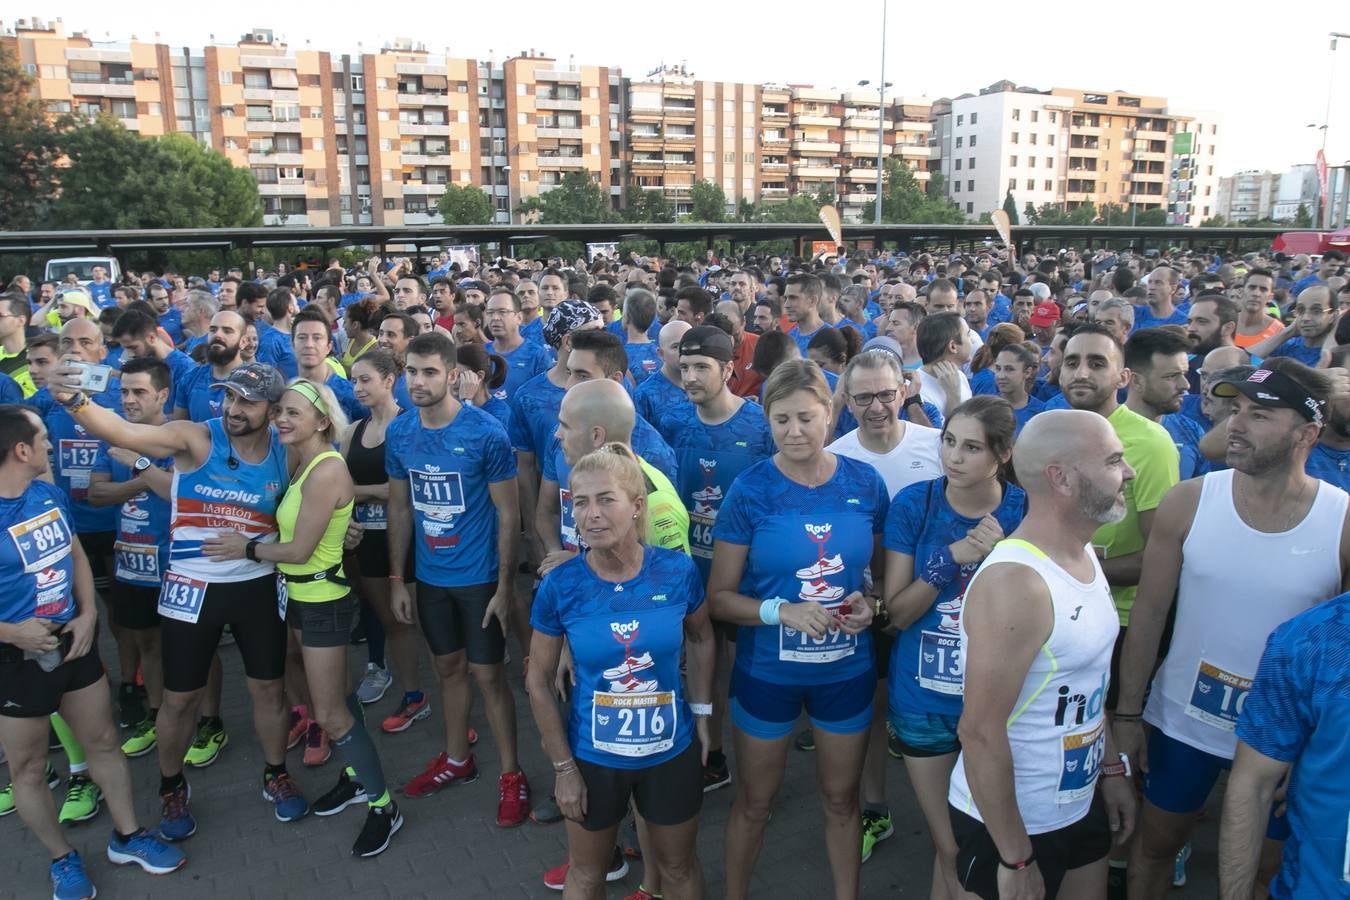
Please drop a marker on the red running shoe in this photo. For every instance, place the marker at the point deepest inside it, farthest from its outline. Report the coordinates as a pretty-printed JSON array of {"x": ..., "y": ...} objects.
[
  {"x": 513, "y": 808},
  {"x": 441, "y": 773},
  {"x": 555, "y": 879}
]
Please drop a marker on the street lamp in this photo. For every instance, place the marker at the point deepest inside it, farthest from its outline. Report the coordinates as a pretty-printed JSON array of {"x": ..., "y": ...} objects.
[
  {"x": 1326, "y": 125},
  {"x": 881, "y": 110}
]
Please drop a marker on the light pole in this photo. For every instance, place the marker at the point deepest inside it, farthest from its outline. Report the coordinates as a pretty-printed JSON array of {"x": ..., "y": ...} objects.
[
  {"x": 1326, "y": 126},
  {"x": 881, "y": 116}
]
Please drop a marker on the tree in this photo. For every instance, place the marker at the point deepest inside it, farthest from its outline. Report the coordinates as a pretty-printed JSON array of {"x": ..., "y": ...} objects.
[
  {"x": 1303, "y": 218},
  {"x": 797, "y": 208},
  {"x": 1010, "y": 207},
  {"x": 464, "y": 204},
  {"x": 1029, "y": 213},
  {"x": 117, "y": 179},
  {"x": 647, "y": 207},
  {"x": 577, "y": 199},
  {"x": 1150, "y": 217},
  {"x": 1113, "y": 214},
  {"x": 903, "y": 201},
  {"x": 708, "y": 202},
  {"x": 30, "y": 145}
]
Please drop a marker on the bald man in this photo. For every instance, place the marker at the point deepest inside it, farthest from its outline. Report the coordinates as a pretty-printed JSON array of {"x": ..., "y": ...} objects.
[
  {"x": 662, "y": 390},
  {"x": 194, "y": 398},
  {"x": 1037, "y": 630},
  {"x": 595, "y": 413},
  {"x": 1200, "y": 406}
]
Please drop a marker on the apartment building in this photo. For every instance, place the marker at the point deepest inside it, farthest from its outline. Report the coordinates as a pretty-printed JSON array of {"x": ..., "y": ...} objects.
[{"x": 1067, "y": 147}]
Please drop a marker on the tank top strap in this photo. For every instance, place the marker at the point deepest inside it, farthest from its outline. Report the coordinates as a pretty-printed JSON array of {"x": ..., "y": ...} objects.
[{"x": 312, "y": 463}]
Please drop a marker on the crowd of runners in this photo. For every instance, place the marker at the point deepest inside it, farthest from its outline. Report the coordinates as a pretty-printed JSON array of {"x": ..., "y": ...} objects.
[{"x": 1064, "y": 532}]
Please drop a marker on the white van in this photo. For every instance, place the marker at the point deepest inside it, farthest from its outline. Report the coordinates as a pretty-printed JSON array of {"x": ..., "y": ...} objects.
[{"x": 83, "y": 268}]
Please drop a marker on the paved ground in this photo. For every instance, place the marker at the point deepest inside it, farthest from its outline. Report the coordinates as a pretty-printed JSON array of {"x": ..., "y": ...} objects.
[{"x": 450, "y": 846}]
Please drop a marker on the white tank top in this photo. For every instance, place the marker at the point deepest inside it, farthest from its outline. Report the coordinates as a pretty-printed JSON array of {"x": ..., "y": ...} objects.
[
  {"x": 1057, "y": 730},
  {"x": 1237, "y": 584}
]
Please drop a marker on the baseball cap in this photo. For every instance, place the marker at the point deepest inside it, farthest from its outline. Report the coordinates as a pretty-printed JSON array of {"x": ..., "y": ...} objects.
[
  {"x": 567, "y": 317},
  {"x": 707, "y": 340},
  {"x": 1272, "y": 388},
  {"x": 1045, "y": 314},
  {"x": 254, "y": 381},
  {"x": 77, "y": 297}
]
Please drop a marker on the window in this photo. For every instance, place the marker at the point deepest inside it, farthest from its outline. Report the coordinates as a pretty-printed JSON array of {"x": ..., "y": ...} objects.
[
  {"x": 974, "y": 118},
  {"x": 1015, "y": 137},
  {"x": 1012, "y": 184},
  {"x": 1031, "y": 162},
  {"x": 1012, "y": 161},
  {"x": 1016, "y": 115},
  {"x": 1050, "y": 139},
  {"x": 358, "y": 85},
  {"x": 1049, "y": 162},
  {"x": 1054, "y": 117},
  {"x": 388, "y": 203},
  {"x": 1035, "y": 115},
  {"x": 1031, "y": 185},
  {"x": 415, "y": 205},
  {"x": 287, "y": 143},
  {"x": 970, "y": 208},
  {"x": 124, "y": 109},
  {"x": 363, "y": 174},
  {"x": 1049, "y": 186},
  {"x": 959, "y": 142},
  {"x": 960, "y": 120},
  {"x": 256, "y": 79},
  {"x": 226, "y": 76},
  {"x": 265, "y": 174},
  {"x": 970, "y": 164},
  {"x": 1032, "y": 137},
  {"x": 970, "y": 185},
  {"x": 58, "y": 106},
  {"x": 972, "y": 139},
  {"x": 958, "y": 165},
  {"x": 956, "y": 186}
]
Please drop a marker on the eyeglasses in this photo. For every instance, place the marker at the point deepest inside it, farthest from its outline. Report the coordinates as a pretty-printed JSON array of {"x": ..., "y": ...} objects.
[{"x": 865, "y": 400}]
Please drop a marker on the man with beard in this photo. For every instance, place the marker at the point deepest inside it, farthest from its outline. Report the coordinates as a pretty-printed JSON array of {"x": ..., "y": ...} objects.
[
  {"x": 1156, "y": 358},
  {"x": 1223, "y": 550},
  {"x": 1093, "y": 370},
  {"x": 1210, "y": 324},
  {"x": 1330, "y": 459},
  {"x": 231, "y": 472},
  {"x": 197, "y": 398},
  {"x": 1037, "y": 630},
  {"x": 1313, "y": 328}
]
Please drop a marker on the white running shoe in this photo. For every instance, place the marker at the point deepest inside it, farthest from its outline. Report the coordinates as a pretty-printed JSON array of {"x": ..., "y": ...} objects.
[
  {"x": 828, "y": 565},
  {"x": 820, "y": 590}
]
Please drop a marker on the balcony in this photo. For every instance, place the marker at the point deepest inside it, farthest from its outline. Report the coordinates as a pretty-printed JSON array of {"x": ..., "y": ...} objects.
[
  {"x": 644, "y": 114},
  {"x": 424, "y": 187},
  {"x": 270, "y": 95},
  {"x": 573, "y": 134},
  {"x": 548, "y": 103},
  {"x": 818, "y": 95},
  {"x": 646, "y": 137},
  {"x": 862, "y": 173},
  {"x": 102, "y": 89},
  {"x": 652, "y": 164},
  {"x": 287, "y": 187},
  {"x": 859, "y": 198},
  {"x": 415, "y": 128},
  {"x": 811, "y": 171},
  {"x": 674, "y": 162},
  {"x": 861, "y": 123},
  {"x": 816, "y": 119},
  {"x": 681, "y": 137},
  {"x": 286, "y": 219},
  {"x": 569, "y": 75},
  {"x": 773, "y": 193},
  {"x": 774, "y": 166},
  {"x": 422, "y": 99},
  {"x": 768, "y": 137},
  {"x": 560, "y": 162},
  {"x": 918, "y": 151},
  {"x": 276, "y": 159},
  {"x": 773, "y": 112},
  {"x": 681, "y": 113},
  {"x": 914, "y": 125},
  {"x": 865, "y": 148},
  {"x": 424, "y": 159},
  {"x": 828, "y": 148}
]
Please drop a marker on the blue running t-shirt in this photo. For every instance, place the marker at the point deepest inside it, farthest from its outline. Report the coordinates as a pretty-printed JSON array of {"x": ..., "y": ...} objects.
[
  {"x": 448, "y": 471},
  {"x": 656, "y": 396},
  {"x": 628, "y": 704},
  {"x": 522, "y": 364},
  {"x": 534, "y": 415},
  {"x": 926, "y": 661},
  {"x": 804, "y": 544},
  {"x": 37, "y": 570}
]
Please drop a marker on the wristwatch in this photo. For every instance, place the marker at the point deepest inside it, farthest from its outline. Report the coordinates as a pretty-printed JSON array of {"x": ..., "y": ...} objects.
[
  {"x": 913, "y": 400},
  {"x": 141, "y": 464}
]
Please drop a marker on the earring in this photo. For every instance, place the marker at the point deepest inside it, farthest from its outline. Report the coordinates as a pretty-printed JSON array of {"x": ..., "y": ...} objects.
[{"x": 634, "y": 517}]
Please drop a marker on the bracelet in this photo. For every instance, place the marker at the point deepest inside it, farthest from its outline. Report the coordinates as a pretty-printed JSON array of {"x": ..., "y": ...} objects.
[
  {"x": 77, "y": 403},
  {"x": 941, "y": 569},
  {"x": 1019, "y": 866},
  {"x": 880, "y": 610},
  {"x": 1126, "y": 717},
  {"x": 701, "y": 710},
  {"x": 251, "y": 550},
  {"x": 769, "y": 611},
  {"x": 395, "y": 577}
]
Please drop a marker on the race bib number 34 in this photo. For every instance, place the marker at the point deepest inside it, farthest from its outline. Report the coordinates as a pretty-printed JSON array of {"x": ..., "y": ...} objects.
[
  {"x": 633, "y": 725},
  {"x": 1217, "y": 696}
]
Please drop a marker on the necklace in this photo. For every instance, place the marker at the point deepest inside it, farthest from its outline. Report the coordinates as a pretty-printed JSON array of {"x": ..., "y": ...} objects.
[{"x": 1294, "y": 506}]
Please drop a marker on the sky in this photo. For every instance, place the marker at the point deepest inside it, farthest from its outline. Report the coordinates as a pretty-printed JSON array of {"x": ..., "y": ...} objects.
[{"x": 1267, "y": 75}]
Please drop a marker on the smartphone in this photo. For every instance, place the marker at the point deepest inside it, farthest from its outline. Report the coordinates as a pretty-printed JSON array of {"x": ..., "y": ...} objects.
[{"x": 94, "y": 377}]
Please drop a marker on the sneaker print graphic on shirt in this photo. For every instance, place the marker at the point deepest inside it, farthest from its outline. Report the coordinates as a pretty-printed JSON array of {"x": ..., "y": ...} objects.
[
  {"x": 950, "y": 610},
  {"x": 622, "y": 679},
  {"x": 710, "y": 493},
  {"x": 629, "y": 666},
  {"x": 814, "y": 585},
  {"x": 820, "y": 568},
  {"x": 820, "y": 590}
]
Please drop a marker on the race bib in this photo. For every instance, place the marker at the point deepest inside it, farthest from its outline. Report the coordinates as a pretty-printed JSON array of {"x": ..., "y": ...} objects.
[
  {"x": 940, "y": 662},
  {"x": 633, "y": 724},
  {"x": 1217, "y": 696},
  {"x": 283, "y": 597},
  {"x": 76, "y": 457},
  {"x": 371, "y": 516},
  {"x": 181, "y": 598},
  {"x": 137, "y": 562},
  {"x": 42, "y": 541},
  {"x": 1080, "y": 757},
  {"x": 437, "y": 495},
  {"x": 798, "y": 646}
]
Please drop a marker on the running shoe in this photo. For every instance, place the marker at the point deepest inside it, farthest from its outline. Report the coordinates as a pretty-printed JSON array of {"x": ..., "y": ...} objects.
[
  {"x": 441, "y": 773},
  {"x": 130, "y": 706},
  {"x": 546, "y": 813},
  {"x": 821, "y": 567},
  {"x": 555, "y": 879},
  {"x": 820, "y": 590},
  {"x": 289, "y": 804},
  {"x": 68, "y": 879},
  {"x": 642, "y": 894},
  {"x": 7, "y": 795},
  {"x": 876, "y": 828},
  {"x": 299, "y": 727},
  {"x": 629, "y": 666},
  {"x": 806, "y": 740},
  {"x": 410, "y": 712},
  {"x": 141, "y": 741},
  {"x": 175, "y": 819},
  {"x": 513, "y": 804},
  {"x": 206, "y": 746},
  {"x": 1179, "y": 867},
  {"x": 145, "y": 850},
  {"x": 317, "y": 749},
  {"x": 382, "y": 823},
  {"x": 83, "y": 798},
  {"x": 373, "y": 685},
  {"x": 347, "y": 792},
  {"x": 715, "y": 777}
]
